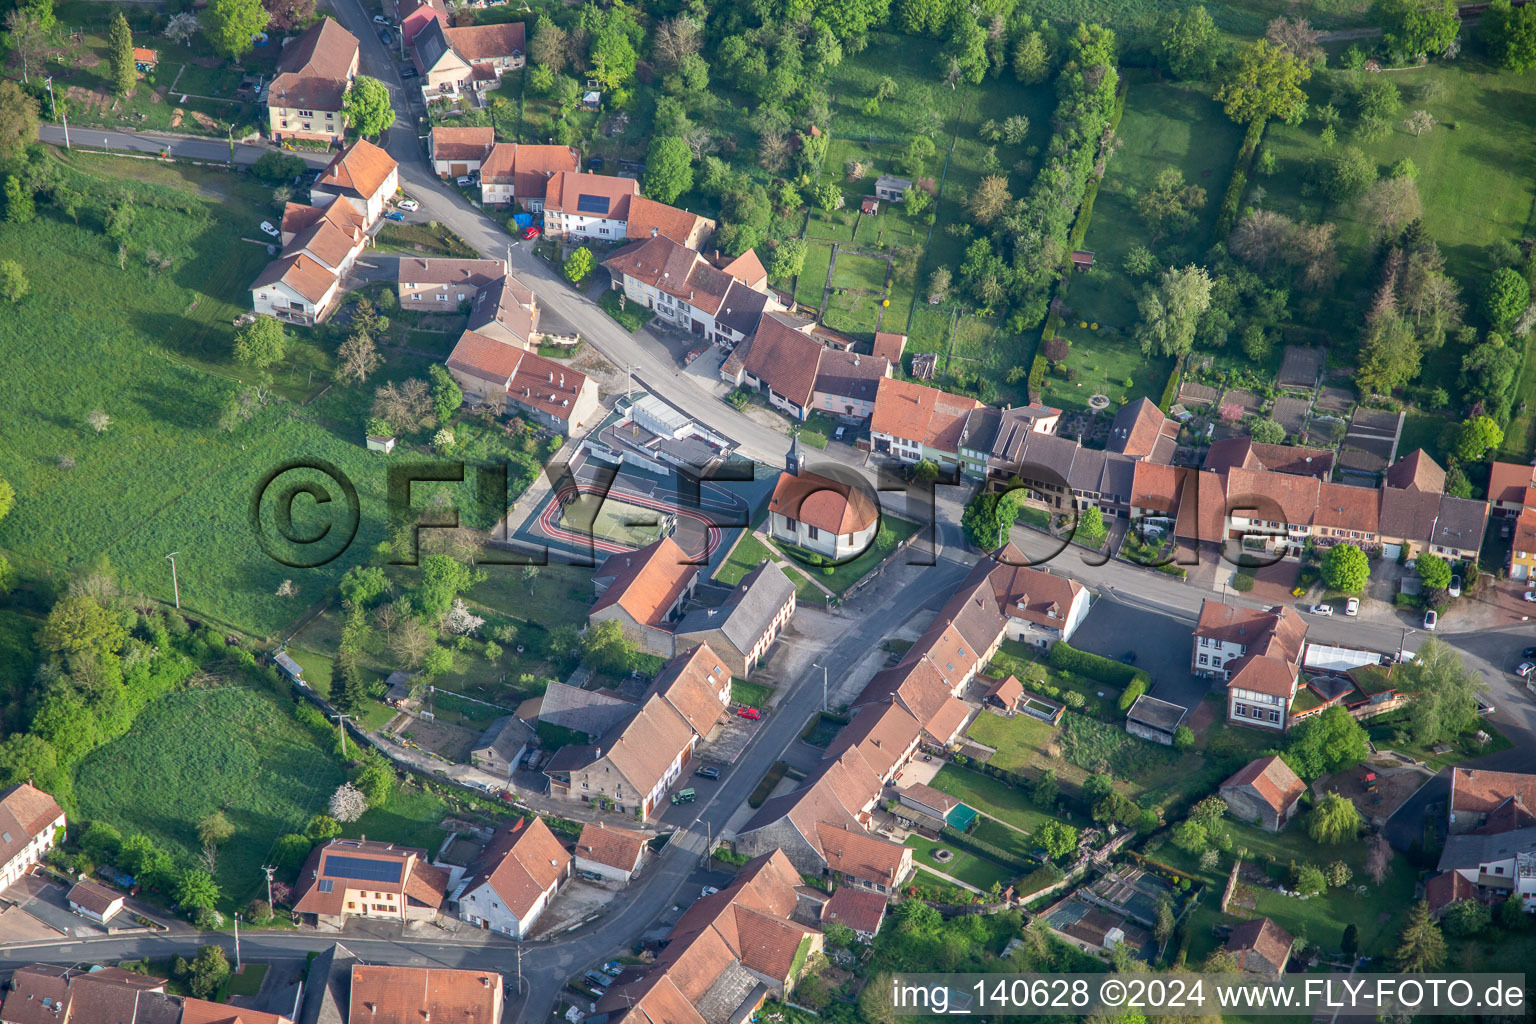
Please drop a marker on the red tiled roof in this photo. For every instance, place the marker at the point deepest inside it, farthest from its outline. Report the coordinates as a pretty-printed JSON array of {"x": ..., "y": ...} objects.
[
  {"x": 916, "y": 412},
  {"x": 784, "y": 358},
  {"x": 1007, "y": 690},
  {"x": 486, "y": 358},
  {"x": 1263, "y": 674},
  {"x": 856, "y": 908},
  {"x": 521, "y": 863},
  {"x": 615, "y": 847},
  {"x": 857, "y": 854},
  {"x": 1342, "y": 507},
  {"x": 564, "y": 188},
  {"x": 462, "y": 143},
  {"x": 552, "y": 388},
  {"x": 1137, "y": 428},
  {"x": 488, "y": 42},
  {"x": 648, "y": 217},
  {"x": 1418, "y": 472},
  {"x": 527, "y": 168},
  {"x": 26, "y": 812},
  {"x": 1264, "y": 937},
  {"x": 1283, "y": 497},
  {"x": 890, "y": 346},
  {"x": 414, "y": 995},
  {"x": 1273, "y": 780},
  {"x": 826, "y": 504},
  {"x": 326, "y": 50},
  {"x": 646, "y": 582},
  {"x": 1034, "y": 595},
  {"x": 1445, "y": 889},
  {"x": 1155, "y": 487},
  {"x": 93, "y": 896},
  {"x": 1477, "y": 791},
  {"x": 200, "y": 1011},
  {"x": 692, "y": 683},
  {"x": 298, "y": 216},
  {"x": 362, "y": 168},
  {"x": 1508, "y": 482},
  {"x": 746, "y": 268},
  {"x": 306, "y": 276},
  {"x": 882, "y": 733}
]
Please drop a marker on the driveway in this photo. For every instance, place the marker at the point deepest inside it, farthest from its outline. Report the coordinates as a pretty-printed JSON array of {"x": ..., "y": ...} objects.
[{"x": 1160, "y": 640}]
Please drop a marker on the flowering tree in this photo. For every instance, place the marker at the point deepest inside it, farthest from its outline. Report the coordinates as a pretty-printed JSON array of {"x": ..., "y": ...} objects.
[
  {"x": 1231, "y": 412},
  {"x": 348, "y": 803},
  {"x": 460, "y": 621}
]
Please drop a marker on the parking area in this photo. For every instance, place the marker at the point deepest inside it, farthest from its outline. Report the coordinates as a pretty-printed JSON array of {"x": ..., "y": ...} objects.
[
  {"x": 1161, "y": 643},
  {"x": 579, "y": 900},
  {"x": 41, "y": 912}
]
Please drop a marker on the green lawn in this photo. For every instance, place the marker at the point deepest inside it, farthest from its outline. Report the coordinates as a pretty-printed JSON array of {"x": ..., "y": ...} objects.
[
  {"x": 420, "y": 238},
  {"x": 968, "y": 867},
  {"x": 1104, "y": 364},
  {"x": 853, "y": 313},
  {"x": 1012, "y": 656},
  {"x": 245, "y": 983},
  {"x": 750, "y": 552},
  {"x": 752, "y": 694},
  {"x": 1019, "y": 740},
  {"x": 854, "y": 271},
  {"x": 891, "y": 533},
  {"x": 1520, "y": 435},
  {"x": 813, "y": 275},
  {"x": 251, "y": 759},
  {"x": 996, "y": 798}
]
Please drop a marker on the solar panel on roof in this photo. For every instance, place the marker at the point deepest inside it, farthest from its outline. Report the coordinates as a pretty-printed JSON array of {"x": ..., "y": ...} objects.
[
  {"x": 592, "y": 204},
  {"x": 363, "y": 869}
]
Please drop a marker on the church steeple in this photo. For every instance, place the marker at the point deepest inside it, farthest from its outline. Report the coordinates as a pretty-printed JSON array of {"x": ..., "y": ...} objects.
[{"x": 794, "y": 462}]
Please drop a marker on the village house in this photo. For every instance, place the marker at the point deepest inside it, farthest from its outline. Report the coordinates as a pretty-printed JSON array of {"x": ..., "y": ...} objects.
[
  {"x": 1512, "y": 495},
  {"x": 914, "y": 422},
  {"x": 645, "y": 591},
  {"x": 1265, "y": 792},
  {"x": 413, "y": 15},
  {"x": 722, "y": 305},
  {"x": 592, "y": 206},
  {"x": 363, "y": 175},
  {"x": 1260, "y": 947},
  {"x": 1154, "y": 719},
  {"x": 992, "y": 440},
  {"x": 467, "y": 61},
  {"x": 314, "y": 72},
  {"x": 501, "y": 746},
  {"x": 202, "y": 1011},
  {"x": 348, "y": 878},
  {"x": 513, "y": 882},
  {"x": 435, "y": 284},
  {"x": 786, "y": 360},
  {"x": 297, "y": 289},
  {"x": 53, "y": 994},
  {"x": 1258, "y": 653},
  {"x": 522, "y": 383},
  {"x": 1040, "y": 606},
  {"x": 861, "y": 910},
  {"x": 94, "y": 901},
  {"x": 610, "y": 852},
  {"x": 520, "y": 172},
  {"x": 31, "y": 822},
  {"x": 745, "y": 626},
  {"x": 418, "y": 995},
  {"x": 1482, "y": 799},
  {"x": 831, "y": 518},
  {"x": 455, "y": 152},
  {"x": 1487, "y": 867},
  {"x": 320, "y": 246}
]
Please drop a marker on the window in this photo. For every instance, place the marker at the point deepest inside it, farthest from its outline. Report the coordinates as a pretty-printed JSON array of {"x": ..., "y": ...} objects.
[
  {"x": 1205, "y": 641},
  {"x": 326, "y": 885},
  {"x": 306, "y": 113},
  {"x": 812, "y": 532},
  {"x": 1203, "y": 659},
  {"x": 351, "y": 905},
  {"x": 441, "y": 297}
]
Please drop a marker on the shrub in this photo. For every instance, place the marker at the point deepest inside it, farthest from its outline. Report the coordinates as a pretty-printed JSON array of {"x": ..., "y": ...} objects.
[
  {"x": 1128, "y": 696},
  {"x": 1066, "y": 658}
]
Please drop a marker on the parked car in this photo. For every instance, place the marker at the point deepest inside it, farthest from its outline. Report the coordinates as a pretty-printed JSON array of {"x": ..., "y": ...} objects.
[
  {"x": 1529, "y": 595},
  {"x": 409, "y": 204},
  {"x": 409, "y": 71},
  {"x": 751, "y": 713},
  {"x": 709, "y": 890},
  {"x": 1128, "y": 658},
  {"x": 463, "y": 182},
  {"x": 386, "y": 36},
  {"x": 707, "y": 773},
  {"x": 1524, "y": 669},
  {"x": 598, "y": 978},
  {"x": 1321, "y": 609},
  {"x": 379, "y": 19},
  {"x": 613, "y": 967},
  {"x": 1455, "y": 588},
  {"x": 837, "y": 435},
  {"x": 394, "y": 215},
  {"x": 1529, "y": 652},
  {"x": 1430, "y": 619},
  {"x": 1352, "y": 606},
  {"x": 591, "y": 876},
  {"x": 532, "y": 231},
  {"x": 686, "y": 796},
  {"x": 267, "y": 227}
]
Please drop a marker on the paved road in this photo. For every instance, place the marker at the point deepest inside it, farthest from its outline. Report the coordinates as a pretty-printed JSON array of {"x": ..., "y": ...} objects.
[{"x": 188, "y": 147}]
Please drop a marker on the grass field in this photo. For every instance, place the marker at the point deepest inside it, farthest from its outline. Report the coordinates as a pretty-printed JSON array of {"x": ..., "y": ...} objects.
[
  {"x": 855, "y": 271},
  {"x": 891, "y": 533},
  {"x": 251, "y": 759},
  {"x": 749, "y": 553},
  {"x": 612, "y": 519},
  {"x": 996, "y": 798},
  {"x": 813, "y": 276},
  {"x": 853, "y": 312},
  {"x": 966, "y": 866},
  {"x": 159, "y": 366},
  {"x": 1104, "y": 363},
  {"x": 752, "y": 694}
]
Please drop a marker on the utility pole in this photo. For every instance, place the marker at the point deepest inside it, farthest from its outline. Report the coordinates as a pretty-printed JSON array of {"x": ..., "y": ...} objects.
[
  {"x": 51, "y": 103},
  {"x": 269, "y": 871},
  {"x": 519, "y": 968},
  {"x": 341, "y": 727},
  {"x": 630, "y": 392},
  {"x": 823, "y": 688},
  {"x": 237, "y": 943},
  {"x": 175, "y": 586}
]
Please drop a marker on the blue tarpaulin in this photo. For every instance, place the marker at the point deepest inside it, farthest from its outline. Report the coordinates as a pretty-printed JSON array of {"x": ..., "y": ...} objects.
[{"x": 523, "y": 219}]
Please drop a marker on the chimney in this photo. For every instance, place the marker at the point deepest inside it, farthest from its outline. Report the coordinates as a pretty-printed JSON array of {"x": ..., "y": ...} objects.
[{"x": 654, "y": 230}]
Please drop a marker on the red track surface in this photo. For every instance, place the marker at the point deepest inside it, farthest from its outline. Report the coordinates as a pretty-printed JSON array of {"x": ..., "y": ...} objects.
[{"x": 549, "y": 517}]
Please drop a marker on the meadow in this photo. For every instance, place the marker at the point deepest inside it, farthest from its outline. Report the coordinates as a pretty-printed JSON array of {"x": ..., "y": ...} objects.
[{"x": 152, "y": 349}]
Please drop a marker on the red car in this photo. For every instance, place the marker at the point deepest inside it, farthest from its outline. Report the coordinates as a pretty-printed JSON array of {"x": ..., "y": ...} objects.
[
  {"x": 532, "y": 231},
  {"x": 751, "y": 713}
]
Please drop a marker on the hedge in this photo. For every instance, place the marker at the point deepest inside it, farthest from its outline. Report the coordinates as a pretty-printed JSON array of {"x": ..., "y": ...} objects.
[
  {"x": 1066, "y": 658},
  {"x": 1043, "y": 877},
  {"x": 1234, "y": 194},
  {"x": 982, "y": 848},
  {"x": 1171, "y": 389},
  {"x": 1128, "y": 696},
  {"x": 1037, "y": 377},
  {"x": 1085, "y": 211}
]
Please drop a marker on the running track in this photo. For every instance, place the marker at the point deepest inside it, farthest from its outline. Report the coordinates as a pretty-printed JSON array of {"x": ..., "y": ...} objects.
[{"x": 548, "y": 519}]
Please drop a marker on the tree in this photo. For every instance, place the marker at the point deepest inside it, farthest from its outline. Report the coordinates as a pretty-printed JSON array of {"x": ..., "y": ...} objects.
[
  {"x": 375, "y": 779},
  {"x": 1191, "y": 44},
  {"x": 27, "y": 39},
  {"x": 1445, "y": 693},
  {"x": 287, "y": 15},
  {"x": 442, "y": 579},
  {"x": 1183, "y": 738},
  {"x": 231, "y": 25},
  {"x": 1466, "y": 918},
  {"x": 1267, "y": 431},
  {"x": 405, "y": 407},
  {"x": 215, "y": 829},
  {"x": 1334, "y": 820},
  {"x": 206, "y": 972},
  {"x": 322, "y": 828},
  {"x": 149, "y": 865},
  {"x": 1378, "y": 858},
  {"x": 125, "y": 73},
  {"x": 357, "y": 359},
  {"x": 1296, "y": 36},
  {"x": 1308, "y": 879},
  {"x": 1434, "y": 571},
  {"x": 101, "y": 842},
  {"x": 613, "y": 57},
  {"x": 1350, "y": 174},
  {"x": 1171, "y": 310},
  {"x": 13, "y": 281},
  {"x": 1090, "y": 526},
  {"x": 18, "y": 121},
  {"x": 291, "y": 850},
  {"x": 1392, "y": 203},
  {"x": 1349, "y": 945},
  {"x": 1170, "y": 204},
  {"x": 964, "y": 57},
  {"x": 1419, "y": 122},
  {"x": 1326, "y": 743},
  {"x": 1415, "y": 27},
  {"x": 550, "y": 45},
  {"x": 1422, "y": 946},
  {"x": 410, "y": 641},
  {"x": 1389, "y": 356},
  {"x": 1266, "y": 82},
  {"x": 77, "y": 624},
  {"x": 605, "y": 648},
  {"x": 1031, "y": 58},
  {"x": 1057, "y": 838},
  {"x": 447, "y": 396},
  {"x": 668, "y": 169},
  {"x": 1505, "y": 297},
  {"x": 1476, "y": 437},
  {"x": 787, "y": 260},
  {"x": 1191, "y": 836},
  {"x": 182, "y": 27},
  {"x": 348, "y": 803},
  {"x": 1510, "y": 35},
  {"x": 367, "y": 107},
  {"x": 579, "y": 265},
  {"x": 1345, "y": 569},
  {"x": 262, "y": 343},
  {"x": 196, "y": 890},
  {"x": 1162, "y": 931}
]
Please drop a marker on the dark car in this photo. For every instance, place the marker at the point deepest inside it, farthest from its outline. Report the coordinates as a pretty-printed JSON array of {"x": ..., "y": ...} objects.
[
  {"x": 408, "y": 72},
  {"x": 1129, "y": 657},
  {"x": 595, "y": 164},
  {"x": 1529, "y": 652},
  {"x": 707, "y": 773},
  {"x": 386, "y": 36}
]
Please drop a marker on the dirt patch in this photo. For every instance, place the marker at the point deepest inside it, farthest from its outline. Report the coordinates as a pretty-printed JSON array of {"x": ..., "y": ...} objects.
[
  {"x": 1393, "y": 788},
  {"x": 87, "y": 60},
  {"x": 176, "y": 117},
  {"x": 1202, "y": 717},
  {"x": 449, "y": 741},
  {"x": 157, "y": 95},
  {"x": 204, "y": 120}
]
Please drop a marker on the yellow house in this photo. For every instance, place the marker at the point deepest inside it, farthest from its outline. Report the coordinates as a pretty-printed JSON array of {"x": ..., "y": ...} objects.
[{"x": 314, "y": 73}]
